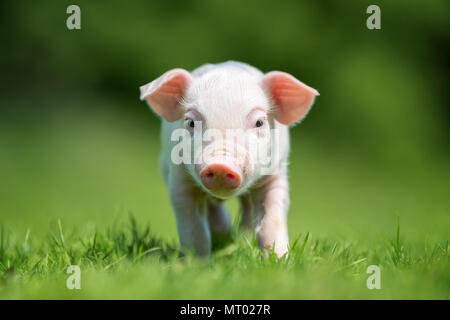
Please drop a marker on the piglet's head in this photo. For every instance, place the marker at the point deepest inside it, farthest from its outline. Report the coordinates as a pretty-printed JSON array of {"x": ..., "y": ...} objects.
[{"x": 228, "y": 115}]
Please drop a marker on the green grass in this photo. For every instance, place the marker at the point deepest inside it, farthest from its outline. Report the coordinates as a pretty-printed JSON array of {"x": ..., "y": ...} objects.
[
  {"x": 87, "y": 191},
  {"x": 129, "y": 261}
]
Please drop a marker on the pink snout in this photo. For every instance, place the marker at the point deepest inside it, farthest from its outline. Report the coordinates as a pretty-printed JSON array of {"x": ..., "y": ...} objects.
[{"x": 220, "y": 176}]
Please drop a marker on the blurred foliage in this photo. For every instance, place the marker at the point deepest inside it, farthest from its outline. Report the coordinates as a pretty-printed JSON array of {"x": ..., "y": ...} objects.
[{"x": 384, "y": 93}]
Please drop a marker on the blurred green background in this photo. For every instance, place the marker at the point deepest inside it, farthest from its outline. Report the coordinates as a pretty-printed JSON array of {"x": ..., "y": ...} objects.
[{"x": 77, "y": 144}]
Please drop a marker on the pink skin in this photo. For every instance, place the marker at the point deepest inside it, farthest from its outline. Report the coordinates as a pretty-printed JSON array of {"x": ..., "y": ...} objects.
[
  {"x": 218, "y": 175},
  {"x": 225, "y": 96}
]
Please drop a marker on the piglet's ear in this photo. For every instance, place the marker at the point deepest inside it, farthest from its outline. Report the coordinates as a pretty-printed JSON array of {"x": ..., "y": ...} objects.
[
  {"x": 165, "y": 93},
  {"x": 291, "y": 97}
]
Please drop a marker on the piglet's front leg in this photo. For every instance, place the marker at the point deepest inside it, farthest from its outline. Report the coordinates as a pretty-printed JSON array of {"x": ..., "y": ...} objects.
[
  {"x": 190, "y": 207},
  {"x": 219, "y": 223},
  {"x": 271, "y": 203}
]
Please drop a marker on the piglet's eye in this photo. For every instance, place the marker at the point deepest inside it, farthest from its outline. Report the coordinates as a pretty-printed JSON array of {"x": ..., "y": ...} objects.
[
  {"x": 191, "y": 123},
  {"x": 259, "y": 123}
]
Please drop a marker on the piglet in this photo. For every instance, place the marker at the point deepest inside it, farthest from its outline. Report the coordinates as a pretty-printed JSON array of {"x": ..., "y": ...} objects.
[{"x": 215, "y": 122}]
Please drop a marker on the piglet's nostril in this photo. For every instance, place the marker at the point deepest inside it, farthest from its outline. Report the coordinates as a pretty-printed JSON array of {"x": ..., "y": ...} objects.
[{"x": 231, "y": 176}]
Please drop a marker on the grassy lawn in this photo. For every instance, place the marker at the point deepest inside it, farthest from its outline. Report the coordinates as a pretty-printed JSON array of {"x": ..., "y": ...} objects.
[{"x": 85, "y": 189}]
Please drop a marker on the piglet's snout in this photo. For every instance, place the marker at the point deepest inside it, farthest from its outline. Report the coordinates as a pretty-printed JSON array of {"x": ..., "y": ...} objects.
[{"x": 220, "y": 176}]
